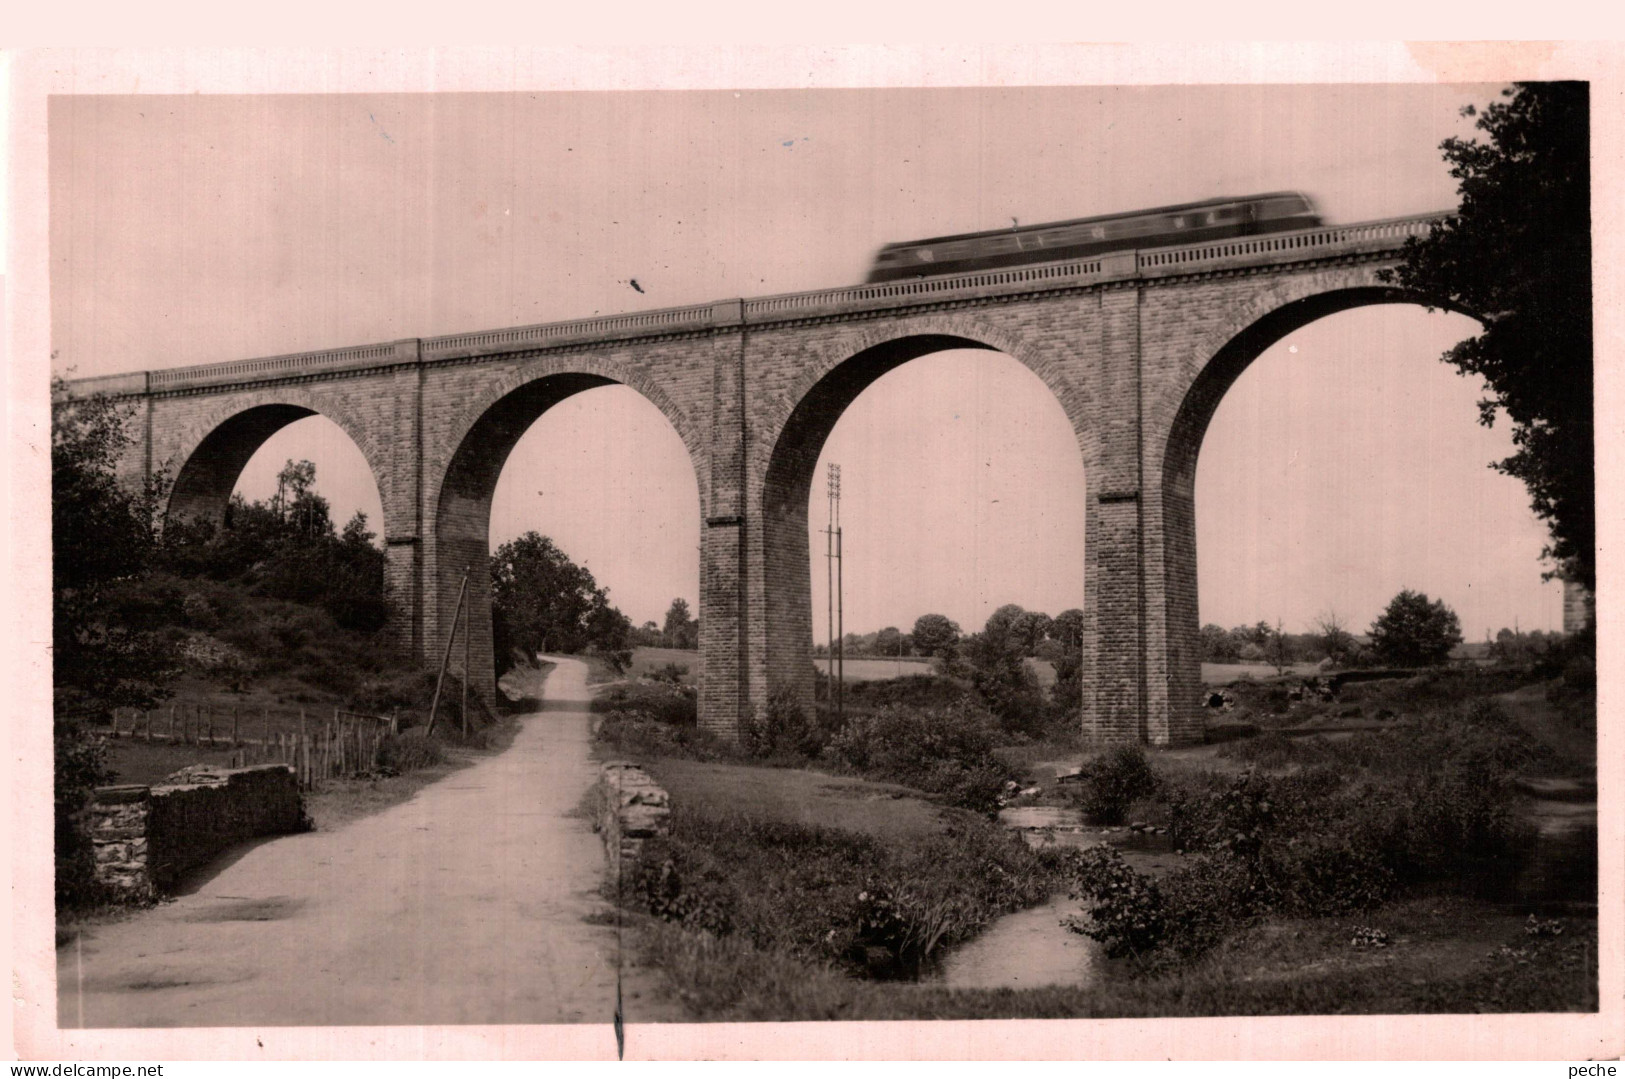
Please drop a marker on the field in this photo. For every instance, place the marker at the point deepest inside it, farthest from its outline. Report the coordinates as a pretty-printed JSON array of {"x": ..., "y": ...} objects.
[
  {"x": 869, "y": 669},
  {"x": 1219, "y": 674},
  {"x": 645, "y": 661}
]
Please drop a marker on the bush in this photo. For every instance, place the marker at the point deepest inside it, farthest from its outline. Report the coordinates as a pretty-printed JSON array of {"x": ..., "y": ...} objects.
[
  {"x": 1114, "y": 781},
  {"x": 675, "y": 674},
  {"x": 636, "y": 734},
  {"x": 1127, "y": 913},
  {"x": 655, "y": 884},
  {"x": 826, "y": 895},
  {"x": 946, "y": 751},
  {"x": 914, "y": 690},
  {"x": 785, "y": 729},
  {"x": 673, "y": 704},
  {"x": 1272, "y": 749},
  {"x": 409, "y": 751},
  {"x": 80, "y": 766}
]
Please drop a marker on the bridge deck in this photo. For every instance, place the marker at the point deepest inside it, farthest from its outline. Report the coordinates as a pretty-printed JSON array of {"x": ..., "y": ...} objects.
[{"x": 1275, "y": 249}]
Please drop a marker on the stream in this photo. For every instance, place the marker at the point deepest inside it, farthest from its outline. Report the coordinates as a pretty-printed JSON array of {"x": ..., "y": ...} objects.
[{"x": 1030, "y": 948}]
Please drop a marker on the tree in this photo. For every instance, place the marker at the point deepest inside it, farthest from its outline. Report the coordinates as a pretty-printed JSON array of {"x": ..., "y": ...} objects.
[
  {"x": 1068, "y": 629},
  {"x": 1002, "y": 632},
  {"x": 541, "y": 600},
  {"x": 935, "y": 635},
  {"x": 681, "y": 629},
  {"x": 1278, "y": 649},
  {"x": 1030, "y": 629},
  {"x": 105, "y": 652},
  {"x": 1335, "y": 639},
  {"x": 890, "y": 642},
  {"x": 1517, "y": 254},
  {"x": 1066, "y": 656},
  {"x": 997, "y": 668},
  {"x": 1219, "y": 645},
  {"x": 1415, "y": 631}
]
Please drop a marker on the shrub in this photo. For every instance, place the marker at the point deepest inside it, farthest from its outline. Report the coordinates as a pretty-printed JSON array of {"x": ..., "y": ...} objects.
[
  {"x": 199, "y": 612},
  {"x": 828, "y": 895},
  {"x": 656, "y": 885},
  {"x": 409, "y": 751},
  {"x": 672, "y": 673},
  {"x": 914, "y": 690},
  {"x": 946, "y": 751},
  {"x": 1113, "y": 782},
  {"x": 1127, "y": 913},
  {"x": 1272, "y": 749},
  {"x": 675, "y": 705},
  {"x": 636, "y": 734},
  {"x": 784, "y": 729},
  {"x": 80, "y": 765}
]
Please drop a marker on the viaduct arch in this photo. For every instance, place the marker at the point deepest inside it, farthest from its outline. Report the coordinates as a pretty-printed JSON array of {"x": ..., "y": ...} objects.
[{"x": 1138, "y": 348}]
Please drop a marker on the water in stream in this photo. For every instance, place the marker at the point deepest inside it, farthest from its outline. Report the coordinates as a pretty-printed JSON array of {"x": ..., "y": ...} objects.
[
  {"x": 1024, "y": 950},
  {"x": 1030, "y": 948}
]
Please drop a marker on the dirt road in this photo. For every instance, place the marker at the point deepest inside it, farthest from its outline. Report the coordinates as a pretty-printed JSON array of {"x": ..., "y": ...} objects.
[{"x": 475, "y": 902}]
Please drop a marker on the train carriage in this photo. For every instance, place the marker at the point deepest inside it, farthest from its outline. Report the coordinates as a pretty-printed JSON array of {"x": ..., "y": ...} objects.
[{"x": 1192, "y": 222}]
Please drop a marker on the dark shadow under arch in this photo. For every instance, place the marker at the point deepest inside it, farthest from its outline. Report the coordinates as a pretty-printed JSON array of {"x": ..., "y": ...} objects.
[{"x": 203, "y": 486}]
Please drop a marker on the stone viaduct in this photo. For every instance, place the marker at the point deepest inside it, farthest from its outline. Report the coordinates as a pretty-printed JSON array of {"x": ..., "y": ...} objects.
[{"x": 1137, "y": 346}]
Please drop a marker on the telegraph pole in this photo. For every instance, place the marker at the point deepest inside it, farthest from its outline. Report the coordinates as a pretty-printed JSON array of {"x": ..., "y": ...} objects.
[{"x": 832, "y": 549}]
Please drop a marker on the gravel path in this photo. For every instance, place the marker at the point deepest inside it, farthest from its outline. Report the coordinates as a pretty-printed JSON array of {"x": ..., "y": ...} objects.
[{"x": 475, "y": 902}]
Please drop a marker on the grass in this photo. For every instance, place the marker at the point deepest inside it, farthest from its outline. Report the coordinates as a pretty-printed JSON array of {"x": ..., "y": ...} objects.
[
  {"x": 1443, "y": 956},
  {"x": 884, "y": 811},
  {"x": 339, "y": 801},
  {"x": 1219, "y": 674},
  {"x": 1439, "y": 953},
  {"x": 646, "y": 661},
  {"x": 135, "y": 761},
  {"x": 877, "y": 903}
]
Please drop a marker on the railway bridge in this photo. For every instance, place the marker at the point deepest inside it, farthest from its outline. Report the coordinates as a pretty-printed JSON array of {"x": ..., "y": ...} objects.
[{"x": 1137, "y": 346}]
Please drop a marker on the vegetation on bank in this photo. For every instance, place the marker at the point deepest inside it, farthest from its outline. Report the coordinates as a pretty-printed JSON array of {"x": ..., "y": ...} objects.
[
  {"x": 272, "y": 611},
  {"x": 859, "y": 903},
  {"x": 1436, "y": 955},
  {"x": 1342, "y": 843}
]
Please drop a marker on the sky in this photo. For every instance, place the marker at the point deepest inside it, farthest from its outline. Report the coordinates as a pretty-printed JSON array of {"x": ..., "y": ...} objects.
[{"x": 202, "y": 228}]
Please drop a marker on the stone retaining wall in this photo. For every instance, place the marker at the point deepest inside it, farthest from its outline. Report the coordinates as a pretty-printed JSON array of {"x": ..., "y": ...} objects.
[
  {"x": 146, "y": 837},
  {"x": 634, "y": 808}
]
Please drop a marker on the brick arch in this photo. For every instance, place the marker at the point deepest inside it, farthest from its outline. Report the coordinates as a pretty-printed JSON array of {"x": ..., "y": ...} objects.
[
  {"x": 607, "y": 368},
  {"x": 796, "y": 425},
  {"x": 212, "y": 452},
  {"x": 1221, "y": 356},
  {"x": 972, "y": 332},
  {"x": 1179, "y": 421},
  {"x": 462, "y": 480}
]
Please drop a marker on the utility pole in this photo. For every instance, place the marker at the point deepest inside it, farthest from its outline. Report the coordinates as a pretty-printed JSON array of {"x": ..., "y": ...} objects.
[
  {"x": 467, "y": 609},
  {"x": 451, "y": 638},
  {"x": 831, "y": 563}
]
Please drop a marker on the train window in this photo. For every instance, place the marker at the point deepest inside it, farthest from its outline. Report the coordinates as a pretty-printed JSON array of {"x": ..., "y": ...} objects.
[{"x": 924, "y": 254}]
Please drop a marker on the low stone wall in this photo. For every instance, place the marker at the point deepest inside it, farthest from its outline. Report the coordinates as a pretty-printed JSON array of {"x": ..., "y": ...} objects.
[
  {"x": 146, "y": 837},
  {"x": 633, "y": 809}
]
